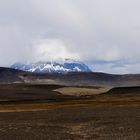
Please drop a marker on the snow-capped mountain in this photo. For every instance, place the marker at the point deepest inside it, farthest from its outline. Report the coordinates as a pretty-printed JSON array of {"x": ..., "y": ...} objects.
[{"x": 67, "y": 65}]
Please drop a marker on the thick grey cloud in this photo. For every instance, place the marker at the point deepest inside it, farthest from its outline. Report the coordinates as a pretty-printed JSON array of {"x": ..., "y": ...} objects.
[{"x": 103, "y": 33}]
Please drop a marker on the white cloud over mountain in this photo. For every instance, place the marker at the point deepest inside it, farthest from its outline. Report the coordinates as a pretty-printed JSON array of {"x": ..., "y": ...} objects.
[{"x": 88, "y": 30}]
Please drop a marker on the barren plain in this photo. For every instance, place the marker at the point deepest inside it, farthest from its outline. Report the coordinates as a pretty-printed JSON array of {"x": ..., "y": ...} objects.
[{"x": 51, "y": 112}]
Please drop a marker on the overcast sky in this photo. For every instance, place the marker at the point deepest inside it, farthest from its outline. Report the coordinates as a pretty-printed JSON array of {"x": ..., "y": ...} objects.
[{"x": 105, "y": 34}]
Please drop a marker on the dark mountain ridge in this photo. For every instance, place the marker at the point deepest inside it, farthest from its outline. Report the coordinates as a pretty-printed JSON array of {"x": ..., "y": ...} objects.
[{"x": 8, "y": 75}]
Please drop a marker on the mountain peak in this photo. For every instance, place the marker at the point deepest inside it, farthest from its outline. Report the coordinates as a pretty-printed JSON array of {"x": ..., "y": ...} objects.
[{"x": 62, "y": 66}]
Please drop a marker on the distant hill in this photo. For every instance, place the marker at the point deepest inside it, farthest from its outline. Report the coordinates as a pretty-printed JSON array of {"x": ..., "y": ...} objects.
[
  {"x": 8, "y": 75},
  {"x": 66, "y": 65}
]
